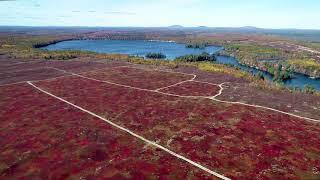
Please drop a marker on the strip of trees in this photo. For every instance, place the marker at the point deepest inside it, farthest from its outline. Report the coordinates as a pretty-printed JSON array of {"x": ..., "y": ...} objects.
[
  {"x": 196, "y": 58},
  {"x": 197, "y": 45},
  {"x": 281, "y": 73},
  {"x": 155, "y": 56}
]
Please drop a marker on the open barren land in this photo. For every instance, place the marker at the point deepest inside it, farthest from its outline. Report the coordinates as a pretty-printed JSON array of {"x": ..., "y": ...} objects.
[{"x": 117, "y": 120}]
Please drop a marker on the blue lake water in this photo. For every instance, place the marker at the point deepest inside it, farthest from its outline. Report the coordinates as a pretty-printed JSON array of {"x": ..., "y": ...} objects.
[
  {"x": 131, "y": 47},
  {"x": 171, "y": 50},
  {"x": 298, "y": 80}
]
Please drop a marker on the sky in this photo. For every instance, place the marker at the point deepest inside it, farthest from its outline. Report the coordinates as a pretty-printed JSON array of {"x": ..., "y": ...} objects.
[{"x": 300, "y": 14}]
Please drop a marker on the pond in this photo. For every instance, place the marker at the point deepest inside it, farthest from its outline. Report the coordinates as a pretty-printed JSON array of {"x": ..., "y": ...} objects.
[{"x": 171, "y": 50}]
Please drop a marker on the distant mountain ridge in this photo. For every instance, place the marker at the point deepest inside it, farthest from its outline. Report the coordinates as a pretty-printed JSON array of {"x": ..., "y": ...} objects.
[{"x": 176, "y": 27}]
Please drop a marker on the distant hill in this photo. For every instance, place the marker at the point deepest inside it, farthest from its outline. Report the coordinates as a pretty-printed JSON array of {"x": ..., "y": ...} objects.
[
  {"x": 176, "y": 27},
  {"x": 249, "y": 28},
  {"x": 297, "y": 34}
]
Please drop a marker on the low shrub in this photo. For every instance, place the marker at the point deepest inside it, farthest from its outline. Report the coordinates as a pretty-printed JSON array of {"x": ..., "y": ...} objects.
[
  {"x": 197, "y": 45},
  {"x": 260, "y": 76},
  {"x": 309, "y": 89},
  {"x": 281, "y": 73},
  {"x": 196, "y": 58},
  {"x": 155, "y": 56}
]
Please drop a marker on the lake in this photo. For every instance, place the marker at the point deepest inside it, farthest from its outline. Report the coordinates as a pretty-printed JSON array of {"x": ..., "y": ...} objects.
[
  {"x": 131, "y": 47},
  {"x": 171, "y": 50}
]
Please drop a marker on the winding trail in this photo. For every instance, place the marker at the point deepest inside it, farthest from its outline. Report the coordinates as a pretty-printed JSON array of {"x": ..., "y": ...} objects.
[
  {"x": 148, "y": 142},
  {"x": 132, "y": 87},
  {"x": 220, "y": 91},
  {"x": 22, "y": 82},
  {"x": 194, "y": 77},
  {"x": 257, "y": 106},
  {"x": 214, "y": 98},
  {"x": 141, "y": 89}
]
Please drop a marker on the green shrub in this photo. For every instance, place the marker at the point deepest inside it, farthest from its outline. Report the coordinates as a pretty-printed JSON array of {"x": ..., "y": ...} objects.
[
  {"x": 197, "y": 58},
  {"x": 155, "y": 56},
  {"x": 260, "y": 76},
  {"x": 197, "y": 45},
  {"x": 281, "y": 73},
  {"x": 309, "y": 89}
]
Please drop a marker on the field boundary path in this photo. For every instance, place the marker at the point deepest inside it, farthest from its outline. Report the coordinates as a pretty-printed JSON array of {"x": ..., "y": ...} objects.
[
  {"x": 214, "y": 98},
  {"x": 134, "y": 134},
  {"x": 61, "y": 72}
]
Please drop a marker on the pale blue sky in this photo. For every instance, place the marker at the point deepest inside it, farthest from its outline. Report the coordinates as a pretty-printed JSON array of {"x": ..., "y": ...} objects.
[{"x": 214, "y": 13}]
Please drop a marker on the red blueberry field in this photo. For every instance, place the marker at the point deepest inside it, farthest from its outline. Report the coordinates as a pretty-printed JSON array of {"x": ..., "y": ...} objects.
[
  {"x": 114, "y": 121},
  {"x": 193, "y": 88},
  {"x": 140, "y": 78},
  {"x": 42, "y": 137}
]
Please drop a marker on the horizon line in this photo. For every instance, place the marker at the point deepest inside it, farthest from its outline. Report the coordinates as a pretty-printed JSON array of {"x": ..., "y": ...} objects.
[{"x": 171, "y": 26}]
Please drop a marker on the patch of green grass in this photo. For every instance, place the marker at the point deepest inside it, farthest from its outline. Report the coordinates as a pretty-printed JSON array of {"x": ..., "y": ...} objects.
[
  {"x": 252, "y": 52},
  {"x": 22, "y": 46},
  {"x": 309, "y": 64}
]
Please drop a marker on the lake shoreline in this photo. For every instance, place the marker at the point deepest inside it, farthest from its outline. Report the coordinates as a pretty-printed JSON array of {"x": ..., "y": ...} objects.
[
  {"x": 40, "y": 46},
  {"x": 131, "y": 47}
]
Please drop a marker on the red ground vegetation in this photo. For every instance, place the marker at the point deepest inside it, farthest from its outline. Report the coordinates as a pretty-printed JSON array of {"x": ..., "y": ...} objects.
[
  {"x": 240, "y": 90},
  {"x": 216, "y": 78},
  {"x": 296, "y": 103},
  {"x": 15, "y": 66},
  {"x": 7, "y": 61},
  {"x": 13, "y": 71},
  {"x": 41, "y": 137},
  {"x": 140, "y": 78},
  {"x": 192, "y": 88},
  {"x": 236, "y": 140},
  {"x": 29, "y": 74},
  {"x": 83, "y": 66}
]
